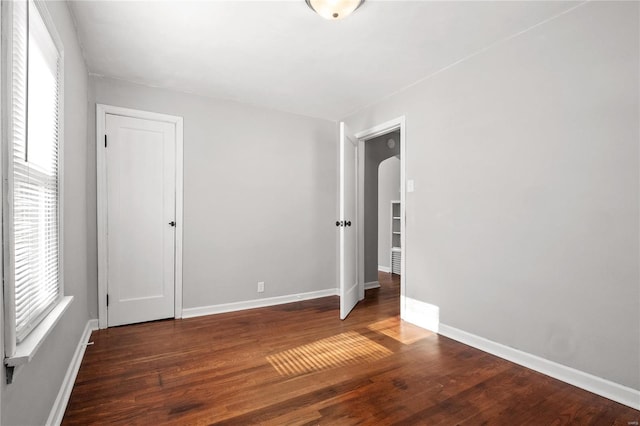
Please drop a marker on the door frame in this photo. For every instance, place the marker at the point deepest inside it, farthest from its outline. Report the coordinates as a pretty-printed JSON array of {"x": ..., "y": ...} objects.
[
  {"x": 363, "y": 136},
  {"x": 101, "y": 171}
]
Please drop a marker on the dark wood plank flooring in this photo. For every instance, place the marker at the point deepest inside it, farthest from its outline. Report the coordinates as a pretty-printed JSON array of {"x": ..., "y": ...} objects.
[{"x": 299, "y": 364}]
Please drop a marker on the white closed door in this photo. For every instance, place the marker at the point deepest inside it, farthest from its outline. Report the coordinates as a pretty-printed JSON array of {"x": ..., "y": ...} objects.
[
  {"x": 347, "y": 222},
  {"x": 141, "y": 210}
]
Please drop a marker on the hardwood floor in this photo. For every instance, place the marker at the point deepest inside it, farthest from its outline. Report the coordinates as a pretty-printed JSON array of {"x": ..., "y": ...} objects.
[{"x": 299, "y": 364}]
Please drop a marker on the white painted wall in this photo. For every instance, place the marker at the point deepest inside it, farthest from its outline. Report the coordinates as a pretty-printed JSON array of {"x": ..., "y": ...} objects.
[
  {"x": 388, "y": 190},
  {"x": 28, "y": 400},
  {"x": 259, "y": 195},
  {"x": 523, "y": 227}
]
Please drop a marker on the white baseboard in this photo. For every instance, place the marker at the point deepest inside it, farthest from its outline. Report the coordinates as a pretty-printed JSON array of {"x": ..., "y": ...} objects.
[
  {"x": 372, "y": 284},
  {"x": 60, "y": 404},
  {"x": 427, "y": 316},
  {"x": 384, "y": 269},
  {"x": 586, "y": 381},
  {"x": 257, "y": 303},
  {"x": 421, "y": 314}
]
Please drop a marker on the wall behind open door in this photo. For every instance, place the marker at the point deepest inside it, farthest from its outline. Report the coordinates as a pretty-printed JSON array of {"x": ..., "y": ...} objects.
[{"x": 260, "y": 190}]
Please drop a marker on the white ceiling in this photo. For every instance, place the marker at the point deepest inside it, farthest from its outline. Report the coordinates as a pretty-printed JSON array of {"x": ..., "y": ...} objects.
[{"x": 279, "y": 54}]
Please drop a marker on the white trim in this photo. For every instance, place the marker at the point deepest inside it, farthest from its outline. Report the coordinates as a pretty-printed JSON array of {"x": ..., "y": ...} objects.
[
  {"x": 179, "y": 217},
  {"x": 422, "y": 314},
  {"x": 385, "y": 269},
  {"x": 60, "y": 405},
  {"x": 101, "y": 227},
  {"x": 26, "y": 349},
  {"x": 360, "y": 222},
  {"x": 398, "y": 123},
  {"x": 257, "y": 303},
  {"x": 101, "y": 112},
  {"x": 6, "y": 31},
  {"x": 371, "y": 285},
  {"x": 608, "y": 389},
  {"x": 380, "y": 129},
  {"x": 2, "y": 119},
  {"x": 403, "y": 207},
  {"x": 426, "y": 315}
]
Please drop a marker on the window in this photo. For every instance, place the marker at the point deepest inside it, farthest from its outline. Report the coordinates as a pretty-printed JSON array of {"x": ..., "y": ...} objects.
[{"x": 32, "y": 216}]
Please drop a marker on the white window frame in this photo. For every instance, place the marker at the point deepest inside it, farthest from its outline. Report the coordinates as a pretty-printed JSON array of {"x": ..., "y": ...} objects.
[{"x": 17, "y": 354}]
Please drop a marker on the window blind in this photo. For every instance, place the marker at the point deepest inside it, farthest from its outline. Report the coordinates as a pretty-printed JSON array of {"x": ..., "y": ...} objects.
[{"x": 33, "y": 175}]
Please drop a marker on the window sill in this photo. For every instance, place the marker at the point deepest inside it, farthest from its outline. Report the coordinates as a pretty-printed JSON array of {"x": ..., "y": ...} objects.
[{"x": 26, "y": 349}]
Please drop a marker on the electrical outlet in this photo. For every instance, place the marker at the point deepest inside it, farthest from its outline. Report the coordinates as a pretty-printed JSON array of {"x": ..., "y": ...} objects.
[{"x": 260, "y": 286}]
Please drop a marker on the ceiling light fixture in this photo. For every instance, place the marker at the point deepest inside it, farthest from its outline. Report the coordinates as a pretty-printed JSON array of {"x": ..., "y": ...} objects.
[{"x": 334, "y": 9}]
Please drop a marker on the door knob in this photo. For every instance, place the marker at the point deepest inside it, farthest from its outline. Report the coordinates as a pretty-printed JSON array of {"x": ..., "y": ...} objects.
[
  {"x": 172, "y": 223},
  {"x": 348, "y": 223}
]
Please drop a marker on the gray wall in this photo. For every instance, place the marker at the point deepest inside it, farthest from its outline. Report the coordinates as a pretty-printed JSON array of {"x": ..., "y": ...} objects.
[
  {"x": 28, "y": 400},
  {"x": 523, "y": 227},
  {"x": 375, "y": 152},
  {"x": 388, "y": 190},
  {"x": 259, "y": 195}
]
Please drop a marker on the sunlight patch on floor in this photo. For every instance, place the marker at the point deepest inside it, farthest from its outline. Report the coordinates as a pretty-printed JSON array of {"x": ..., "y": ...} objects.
[
  {"x": 399, "y": 330},
  {"x": 343, "y": 349}
]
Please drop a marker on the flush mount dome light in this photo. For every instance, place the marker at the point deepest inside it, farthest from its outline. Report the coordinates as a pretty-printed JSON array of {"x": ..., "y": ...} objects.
[
  {"x": 391, "y": 143},
  {"x": 334, "y": 9}
]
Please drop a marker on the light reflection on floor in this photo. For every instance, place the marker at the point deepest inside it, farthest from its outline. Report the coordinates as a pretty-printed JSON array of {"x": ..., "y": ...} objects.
[
  {"x": 343, "y": 349},
  {"x": 399, "y": 330}
]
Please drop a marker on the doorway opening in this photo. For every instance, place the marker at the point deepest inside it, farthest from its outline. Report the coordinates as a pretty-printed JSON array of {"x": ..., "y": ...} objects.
[
  {"x": 381, "y": 184},
  {"x": 389, "y": 206},
  {"x": 382, "y": 211}
]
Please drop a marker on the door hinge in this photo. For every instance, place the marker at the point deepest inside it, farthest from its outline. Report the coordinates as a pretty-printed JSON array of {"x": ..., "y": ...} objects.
[
  {"x": 105, "y": 141},
  {"x": 107, "y": 300}
]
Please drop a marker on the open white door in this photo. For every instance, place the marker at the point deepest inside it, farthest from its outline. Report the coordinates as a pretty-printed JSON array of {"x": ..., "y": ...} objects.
[{"x": 346, "y": 223}]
